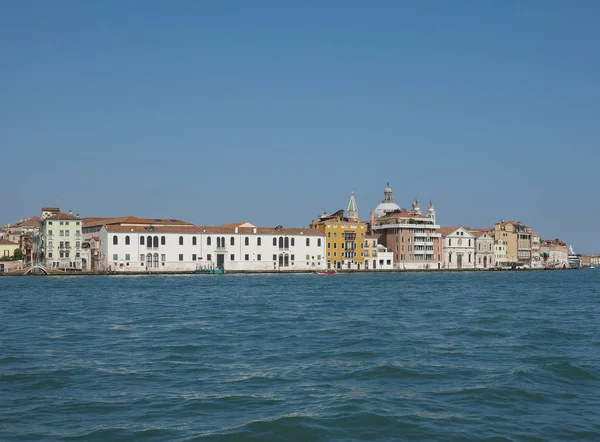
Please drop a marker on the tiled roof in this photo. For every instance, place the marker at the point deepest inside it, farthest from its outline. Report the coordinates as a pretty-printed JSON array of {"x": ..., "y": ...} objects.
[
  {"x": 63, "y": 217},
  {"x": 33, "y": 221},
  {"x": 98, "y": 222},
  {"x": 215, "y": 230},
  {"x": 5, "y": 242},
  {"x": 50, "y": 209},
  {"x": 445, "y": 231}
]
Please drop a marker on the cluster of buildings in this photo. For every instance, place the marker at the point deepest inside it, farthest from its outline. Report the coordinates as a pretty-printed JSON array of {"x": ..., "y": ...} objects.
[{"x": 393, "y": 238}]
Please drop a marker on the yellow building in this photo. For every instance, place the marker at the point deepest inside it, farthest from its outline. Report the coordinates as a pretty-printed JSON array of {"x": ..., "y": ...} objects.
[
  {"x": 344, "y": 238},
  {"x": 7, "y": 248},
  {"x": 517, "y": 237}
]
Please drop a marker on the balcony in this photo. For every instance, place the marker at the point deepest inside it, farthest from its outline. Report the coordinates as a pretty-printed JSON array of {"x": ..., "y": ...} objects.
[{"x": 419, "y": 243}]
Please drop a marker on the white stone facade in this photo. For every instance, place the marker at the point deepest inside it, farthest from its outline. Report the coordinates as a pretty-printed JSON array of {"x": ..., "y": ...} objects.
[
  {"x": 188, "y": 248},
  {"x": 59, "y": 242},
  {"x": 459, "y": 248},
  {"x": 484, "y": 249}
]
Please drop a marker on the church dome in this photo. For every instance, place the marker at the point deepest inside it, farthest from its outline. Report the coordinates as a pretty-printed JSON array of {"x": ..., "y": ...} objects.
[{"x": 387, "y": 205}]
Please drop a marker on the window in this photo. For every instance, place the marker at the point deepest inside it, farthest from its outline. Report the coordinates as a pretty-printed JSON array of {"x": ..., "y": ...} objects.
[
  {"x": 115, "y": 240},
  {"x": 231, "y": 241},
  {"x": 181, "y": 243},
  {"x": 149, "y": 241},
  {"x": 469, "y": 257},
  {"x": 62, "y": 233},
  {"x": 156, "y": 260},
  {"x": 258, "y": 241},
  {"x": 194, "y": 257},
  {"x": 127, "y": 240},
  {"x": 307, "y": 242},
  {"x": 141, "y": 241},
  {"x": 292, "y": 241},
  {"x": 232, "y": 257},
  {"x": 209, "y": 257},
  {"x": 218, "y": 242},
  {"x": 258, "y": 257},
  {"x": 449, "y": 241},
  {"x": 469, "y": 243},
  {"x": 155, "y": 241},
  {"x": 115, "y": 257},
  {"x": 292, "y": 257},
  {"x": 281, "y": 242},
  {"x": 61, "y": 223},
  {"x": 163, "y": 258},
  {"x": 274, "y": 257},
  {"x": 142, "y": 258},
  {"x": 319, "y": 242},
  {"x": 163, "y": 241},
  {"x": 287, "y": 242},
  {"x": 274, "y": 242},
  {"x": 194, "y": 240},
  {"x": 247, "y": 242},
  {"x": 247, "y": 257},
  {"x": 450, "y": 257},
  {"x": 181, "y": 257},
  {"x": 127, "y": 257},
  {"x": 50, "y": 233},
  {"x": 208, "y": 241},
  {"x": 328, "y": 234}
]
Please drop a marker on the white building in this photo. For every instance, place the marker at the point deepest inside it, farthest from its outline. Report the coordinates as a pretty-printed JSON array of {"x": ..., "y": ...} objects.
[
  {"x": 484, "y": 248},
  {"x": 134, "y": 244},
  {"x": 59, "y": 242},
  {"x": 500, "y": 258},
  {"x": 385, "y": 258},
  {"x": 459, "y": 248}
]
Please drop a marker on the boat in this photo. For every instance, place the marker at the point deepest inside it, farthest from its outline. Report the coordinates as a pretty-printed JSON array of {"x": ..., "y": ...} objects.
[
  {"x": 325, "y": 272},
  {"x": 592, "y": 267},
  {"x": 574, "y": 260},
  {"x": 209, "y": 270}
]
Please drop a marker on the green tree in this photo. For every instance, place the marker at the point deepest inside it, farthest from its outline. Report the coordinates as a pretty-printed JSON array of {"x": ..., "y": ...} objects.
[{"x": 18, "y": 254}]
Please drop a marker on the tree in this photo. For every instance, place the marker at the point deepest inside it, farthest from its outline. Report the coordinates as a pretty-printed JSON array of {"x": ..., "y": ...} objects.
[{"x": 18, "y": 254}]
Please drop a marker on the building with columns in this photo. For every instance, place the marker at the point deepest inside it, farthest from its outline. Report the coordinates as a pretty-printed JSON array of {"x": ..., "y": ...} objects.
[{"x": 484, "y": 248}]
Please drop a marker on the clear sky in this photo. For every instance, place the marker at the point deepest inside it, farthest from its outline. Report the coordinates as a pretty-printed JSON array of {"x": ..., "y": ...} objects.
[{"x": 274, "y": 111}]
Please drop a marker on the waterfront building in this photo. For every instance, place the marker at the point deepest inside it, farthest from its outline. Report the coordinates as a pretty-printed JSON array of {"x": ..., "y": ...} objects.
[
  {"x": 345, "y": 238},
  {"x": 484, "y": 248},
  {"x": 517, "y": 237},
  {"x": 22, "y": 233},
  {"x": 536, "y": 258},
  {"x": 371, "y": 249},
  {"x": 555, "y": 253},
  {"x": 595, "y": 260},
  {"x": 7, "y": 248},
  {"x": 500, "y": 258},
  {"x": 412, "y": 237},
  {"x": 58, "y": 244},
  {"x": 160, "y": 245},
  {"x": 385, "y": 258},
  {"x": 458, "y": 248}
]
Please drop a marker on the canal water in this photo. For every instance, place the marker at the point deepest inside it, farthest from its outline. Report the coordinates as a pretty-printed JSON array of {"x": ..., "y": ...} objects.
[{"x": 395, "y": 356}]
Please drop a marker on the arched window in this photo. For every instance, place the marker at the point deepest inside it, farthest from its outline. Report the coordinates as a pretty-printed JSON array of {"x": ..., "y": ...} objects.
[
  {"x": 223, "y": 241},
  {"x": 218, "y": 242},
  {"x": 115, "y": 240},
  {"x": 274, "y": 242},
  {"x": 141, "y": 240},
  {"x": 156, "y": 260},
  {"x": 181, "y": 240},
  {"x": 450, "y": 257},
  {"x": 319, "y": 242},
  {"x": 208, "y": 241},
  {"x": 258, "y": 241},
  {"x": 149, "y": 241},
  {"x": 469, "y": 257},
  {"x": 307, "y": 242},
  {"x": 247, "y": 241},
  {"x": 232, "y": 241},
  {"x": 156, "y": 241},
  {"x": 281, "y": 242},
  {"x": 449, "y": 241},
  {"x": 193, "y": 240},
  {"x": 469, "y": 243},
  {"x": 287, "y": 242},
  {"x": 149, "y": 259},
  {"x": 127, "y": 240},
  {"x": 163, "y": 240}
]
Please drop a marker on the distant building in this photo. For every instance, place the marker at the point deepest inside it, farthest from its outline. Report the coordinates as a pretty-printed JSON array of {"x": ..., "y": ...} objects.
[
  {"x": 595, "y": 260},
  {"x": 157, "y": 245},
  {"x": 413, "y": 238},
  {"x": 536, "y": 257},
  {"x": 22, "y": 233},
  {"x": 500, "y": 258},
  {"x": 58, "y": 244},
  {"x": 7, "y": 248},
  {"x": 555, "y": 253},
  {"x": 385, "y": 258},
  {"x": 370, "y": 252},
  {"x": 517, "y": 237},
  {"x": 484, "y": 248},
  {"x": 344, "y": 238},
  {"x": 458, "y": 248}
]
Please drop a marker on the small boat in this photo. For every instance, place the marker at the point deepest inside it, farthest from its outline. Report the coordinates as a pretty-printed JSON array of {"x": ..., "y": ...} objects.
[
  {"x": 325, "y": 272},
  {"x": 592, "y": 267},
  {"x": 209, "y": 270}
]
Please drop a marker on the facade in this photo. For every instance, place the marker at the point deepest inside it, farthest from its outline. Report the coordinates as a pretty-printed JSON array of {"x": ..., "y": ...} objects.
[
  {"x": 517, "y": 237},
  {"x": 413, "y": 238},
  {"x": 345, "y": 238},
  {"x": 536, "y": 257},
  {"x": 23, "y": 232},
  {"x": 458, "y": 248},
  {"x": 484, "y": 248},
  {"x": 7, "y": 248},
  {"x": 135, "y": 244},
  {"x": 595, "y": 260},
  {"x": 58, "y": 244},
  {"x": 500, "y": 258},
  {"x": 555, "y": 253},
  {"x": 370, "y": 252},
  {"x": 385, "y": 258}
]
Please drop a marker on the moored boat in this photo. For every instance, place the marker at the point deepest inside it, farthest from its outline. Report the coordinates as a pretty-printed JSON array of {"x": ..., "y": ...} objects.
[
  {"x": 325, "y": 272},
  {"x": 209, "y": 270}
]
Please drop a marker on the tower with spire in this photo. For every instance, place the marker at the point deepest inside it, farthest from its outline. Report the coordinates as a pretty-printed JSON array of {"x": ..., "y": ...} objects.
[
  {"x": 431, "y": 211},
  {"x": 352, "y": 211},
  {"x": 415, "y": 206}
]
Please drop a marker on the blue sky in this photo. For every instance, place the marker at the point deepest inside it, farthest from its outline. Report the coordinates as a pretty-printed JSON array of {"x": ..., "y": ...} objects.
[{"x": 271, "y": 112}]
